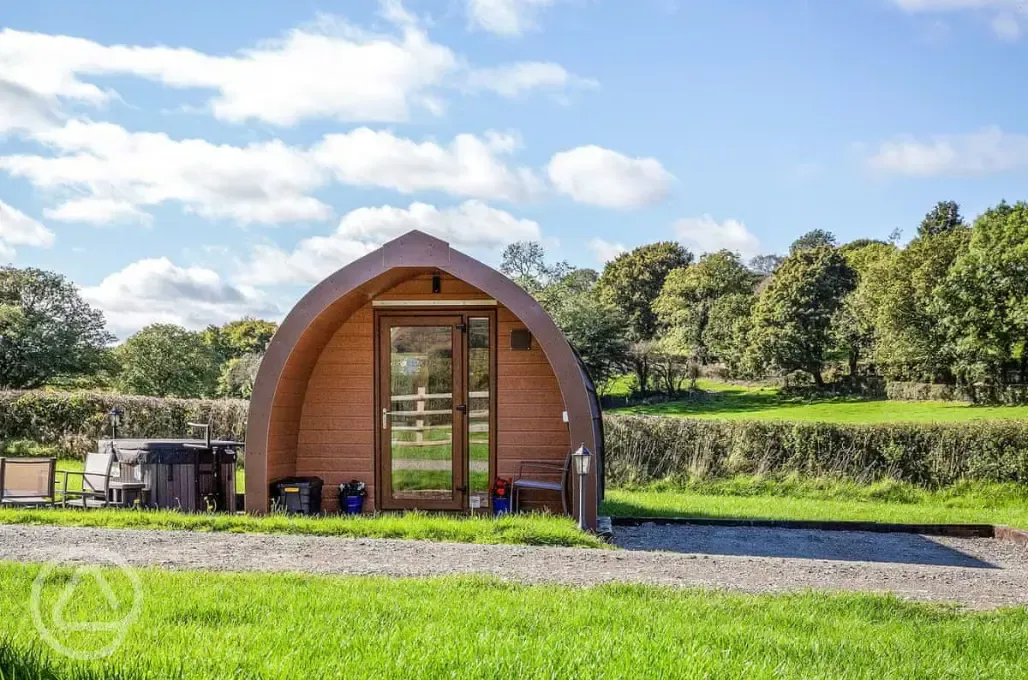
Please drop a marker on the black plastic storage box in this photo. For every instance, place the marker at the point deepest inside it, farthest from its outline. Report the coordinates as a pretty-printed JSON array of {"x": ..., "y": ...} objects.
[{"x": 300, "y": 495}]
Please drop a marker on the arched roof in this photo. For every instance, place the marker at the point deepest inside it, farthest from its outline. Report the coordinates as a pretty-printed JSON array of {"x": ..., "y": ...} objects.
[{"x": 307, "y": 328}]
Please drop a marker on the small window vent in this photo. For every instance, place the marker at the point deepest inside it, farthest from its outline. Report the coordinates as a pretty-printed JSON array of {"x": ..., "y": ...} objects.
[{"x": 520, "y": 340}]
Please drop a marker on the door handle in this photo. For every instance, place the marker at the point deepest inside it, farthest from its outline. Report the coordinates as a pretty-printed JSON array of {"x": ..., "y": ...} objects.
[
  {"x": 385, "y": 418},
  {"x": 463, "y": 408}
]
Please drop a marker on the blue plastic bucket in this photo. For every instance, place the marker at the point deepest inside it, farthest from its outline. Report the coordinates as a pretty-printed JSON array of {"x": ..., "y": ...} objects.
[
  {"x": 354, "y": 504},
  {"x": 501, "y": 506}
]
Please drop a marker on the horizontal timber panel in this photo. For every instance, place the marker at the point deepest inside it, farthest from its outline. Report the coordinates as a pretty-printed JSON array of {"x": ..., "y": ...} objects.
[
  {"x": 336, "y": 437},
  {"x": 519, "y": 424},
  {"x": 340, "y": 395},
  {"x": 350, "y": 373},
  {"x": 315, "y": 423},
  {"x": 509, "y": 409},
  {"x": 530, "y": 383},
  {"x": 347, "y": 356},
  {"x": 536, "y": 369},
  {"x": 340, "y": 409}
]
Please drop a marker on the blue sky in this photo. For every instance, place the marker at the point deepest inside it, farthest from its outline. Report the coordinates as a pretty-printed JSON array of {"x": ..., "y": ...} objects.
[{"x": 192, "y": 162}]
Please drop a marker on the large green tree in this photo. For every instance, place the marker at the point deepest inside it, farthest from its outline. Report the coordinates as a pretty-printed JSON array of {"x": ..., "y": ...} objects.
[
  {"x": 630, "y": 283},
  {"x": 165, "y": 360},
  {"x": 689, "y": 293},
  {"x": 596, "y": 329},
  {"x": 854, "y": 323},
  {"x": 815, "y": 238},
  {"x": 238, "y": 338},
  {"x": 238, "y": 375},
  {"x": 984, "y": 300},
  {"x": 633, "y": 280},
  {"x": 792, "y": 319},
  {"x": 910, "y": 341},
  {"x": 943, "y": 218},
  {"x": 46, "y": 330},
  {"x": 727, "y": 329},
  {"x": 524, "y": 262}
]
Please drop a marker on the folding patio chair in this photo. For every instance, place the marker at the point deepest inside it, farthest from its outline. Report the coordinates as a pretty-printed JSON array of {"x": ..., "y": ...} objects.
[{"x": 27, "y": 481}]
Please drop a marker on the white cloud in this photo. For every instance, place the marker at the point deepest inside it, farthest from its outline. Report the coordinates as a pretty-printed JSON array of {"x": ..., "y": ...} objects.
[
  {"x": 98, "y": 211},
  {"x": 505, "y": 17},
  {"x": 330, "y": 69},
  {"x": 102, "y": 173},
  {"x": 605, "y": 251},
  {"x": 598, "y": 176},
  {"x": 24, "y": 110},
  {"x": 159, "y": 291},
  {"x": 123, "y": 171},
  {"x": 1006, "y": 27},
  {"x": 706, "y": 235},
  {"x": 468, "y": 166},
  {"x": 987, "y": 151},
  {"x": 512, "y": 80},
  {"x": 472, "y": 224},
  {"x": 18, "y": 229},
  {"x": 1005, "y": 22}
]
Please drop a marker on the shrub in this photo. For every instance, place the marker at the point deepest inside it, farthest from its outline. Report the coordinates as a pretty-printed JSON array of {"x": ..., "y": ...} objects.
[
  {"x": 1010, "y": 395},
  {"x": 69, "y": 423},
  {"x": 646, "y": 449}
]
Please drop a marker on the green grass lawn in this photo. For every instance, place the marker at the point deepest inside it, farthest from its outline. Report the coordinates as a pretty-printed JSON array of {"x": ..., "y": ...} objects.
[
  {"x": 529, "y": 529},
  {"x": 795, "y": 499},
  {"x": 208, "y": 625},
  {"x": 734, "y": 402}
]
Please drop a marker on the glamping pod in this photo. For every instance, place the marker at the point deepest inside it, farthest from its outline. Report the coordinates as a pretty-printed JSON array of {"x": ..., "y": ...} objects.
[{"x": 425, "y": 374}]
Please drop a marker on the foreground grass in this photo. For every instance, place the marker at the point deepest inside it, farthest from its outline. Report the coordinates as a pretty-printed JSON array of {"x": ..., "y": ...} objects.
[
  {"x": 206, "y": 625},
  {"x": 797, "y": 499},
  {"x": 535, "y": 529},
  {"x": 734, "y": 402}
]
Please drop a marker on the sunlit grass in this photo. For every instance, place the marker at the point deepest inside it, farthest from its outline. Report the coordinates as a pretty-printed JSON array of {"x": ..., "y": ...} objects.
[
  {"x": 529, "y": 529},
  {"x": 206, "y": 625},
  {"x": 805, "y": 499},
  {"x": 734, "y": 402}
]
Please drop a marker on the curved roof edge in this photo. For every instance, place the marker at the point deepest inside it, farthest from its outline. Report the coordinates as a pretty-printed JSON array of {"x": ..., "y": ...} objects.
[{"x": 416, "y": 249}]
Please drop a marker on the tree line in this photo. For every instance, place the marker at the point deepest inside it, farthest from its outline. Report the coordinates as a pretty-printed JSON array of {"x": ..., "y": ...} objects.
[
  {"x": 949, "y": 307},
  {"x": 49, "y": 336}
]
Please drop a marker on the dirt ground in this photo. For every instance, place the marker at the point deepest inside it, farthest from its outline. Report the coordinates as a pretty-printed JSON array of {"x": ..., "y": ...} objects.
[{"x": 978, "y": 573}]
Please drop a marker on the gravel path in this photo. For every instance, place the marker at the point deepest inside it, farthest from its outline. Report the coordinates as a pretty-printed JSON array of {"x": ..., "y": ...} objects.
[{"x": 979, "y": 573}]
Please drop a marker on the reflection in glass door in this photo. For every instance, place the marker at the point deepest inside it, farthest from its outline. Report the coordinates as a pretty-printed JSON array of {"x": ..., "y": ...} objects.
[{"x": 422, "y": 409}]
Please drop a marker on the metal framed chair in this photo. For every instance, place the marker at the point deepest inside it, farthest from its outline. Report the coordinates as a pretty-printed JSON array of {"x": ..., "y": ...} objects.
[
  {"x": 27, "y": 481},
  {"x": 96, "y": 483},
  {"x": 538, "y": 476}
]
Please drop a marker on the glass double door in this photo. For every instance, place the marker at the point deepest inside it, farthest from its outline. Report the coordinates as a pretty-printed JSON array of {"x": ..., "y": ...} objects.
[{"x": 435, "y": 409}]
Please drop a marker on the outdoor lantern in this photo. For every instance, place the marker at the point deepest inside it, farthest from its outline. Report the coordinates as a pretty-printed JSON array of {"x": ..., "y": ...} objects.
[
  {"x": 583, "y": 460},
  {"x": 115, "y": 416}
]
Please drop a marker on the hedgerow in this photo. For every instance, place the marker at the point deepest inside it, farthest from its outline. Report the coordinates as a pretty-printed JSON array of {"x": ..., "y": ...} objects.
[
  {"x": 1009, "y": 395},
  {"x": 645, "y": 449},
  {"x": 69, "y": 423}
]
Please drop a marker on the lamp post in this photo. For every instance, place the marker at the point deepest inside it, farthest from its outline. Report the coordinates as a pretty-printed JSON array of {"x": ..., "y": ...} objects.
[
  {"x": 115, "y": 416},
  {"x": 583, "y": 460}
]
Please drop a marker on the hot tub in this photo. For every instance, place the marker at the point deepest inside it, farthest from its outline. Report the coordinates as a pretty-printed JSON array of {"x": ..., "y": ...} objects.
[{"x": 192, "y": 475}]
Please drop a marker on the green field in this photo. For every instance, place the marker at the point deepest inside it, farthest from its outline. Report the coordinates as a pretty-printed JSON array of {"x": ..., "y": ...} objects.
[
  {"x": 799, "y": 499},
  {"x": 207, "y": 625},
  {"x": 528, "y": 529},
  {"x": 733, "y": 402}
]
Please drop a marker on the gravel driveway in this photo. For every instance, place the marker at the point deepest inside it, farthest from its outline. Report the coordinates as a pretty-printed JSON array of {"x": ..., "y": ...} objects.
[{"x": 979, "y": 573}]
